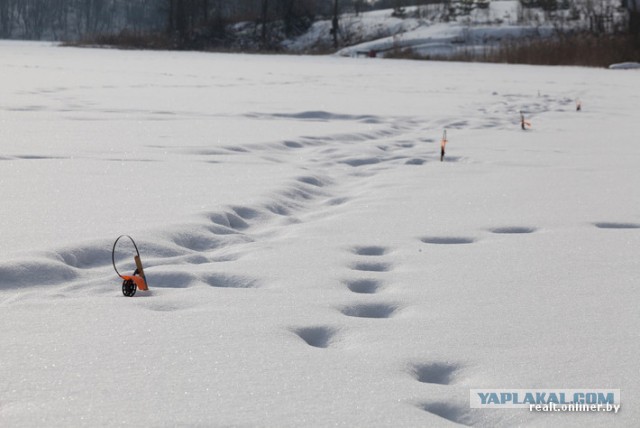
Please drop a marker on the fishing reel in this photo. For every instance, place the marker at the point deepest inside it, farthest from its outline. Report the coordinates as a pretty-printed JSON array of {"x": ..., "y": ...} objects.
[{"x": 137, "y": 280}]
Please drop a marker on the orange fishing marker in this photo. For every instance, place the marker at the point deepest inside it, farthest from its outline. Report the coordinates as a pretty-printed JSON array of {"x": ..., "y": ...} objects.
[
  {"x": 135, "y": 281},
  {"x": 523, "y": 123},
  {"x": 443, "y": 144}
]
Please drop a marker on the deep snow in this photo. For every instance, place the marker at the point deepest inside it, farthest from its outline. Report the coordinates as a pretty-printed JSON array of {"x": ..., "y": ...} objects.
[{"x": 311, "y": 262}]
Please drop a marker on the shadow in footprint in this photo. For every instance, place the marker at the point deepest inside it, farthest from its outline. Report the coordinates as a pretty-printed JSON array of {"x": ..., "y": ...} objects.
[
  {"x": 278, "y": 209},
  {"x": 456, "y": 413},
  {"x": 196, "y": 242},
  {"x": 196, "y": 259},
  {"x": 169, "y": 279},
  {"x": 605, "y": 225},
  {"x": 415, "y": 161},
  {"x": 515, "y": 229},
  {"x": 34, "y": 272},
  {"x": 228, "y": 220},
  {"x": 292, "y": 144},
  {"x": 369, "y": 310},
  {"x": 337, "y": 201},
  {"x": 85, "y": 257},
  {"x": 437, "y": 373},
  {"x": 313, "y": 181},
  {"x": 167, "y": 306},
  {"x": 447, "y": 240},
  {"x": 371, "y": 266},
  {"x": 316, "y": 336},
  {"x": 236, "y": 149},
  {"x": 451, "y": 159},
  {"x": 370, "y": 251},
  {"x": 229, "y": 281},
  {"x": 246, "y": 213},
  {"x": 361, "y": 162},
  {"x": 364, "y": 286},
  {"x": 405, "y": 144}
]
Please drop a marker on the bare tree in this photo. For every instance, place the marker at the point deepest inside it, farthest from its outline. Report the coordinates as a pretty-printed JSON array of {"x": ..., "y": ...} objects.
[
  {"x": 335, "y": 23},
  {"x": 141, "y": 15},
  {"x": 93, "y": 16},
  {"x": 7, "y": 17},
  {"x": 33, "y": 16},
  {"x": 59, "y": 24},
  {"x": 358, "y": 5},
  {"x": 633, "y": 7},
  {"x": 189, "y": 23},
  {"x": 264, "y": 18}
]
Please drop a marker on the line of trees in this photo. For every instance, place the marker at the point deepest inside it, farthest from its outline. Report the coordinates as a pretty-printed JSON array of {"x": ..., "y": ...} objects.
[
  {"x": 73, "y": 19},
  {"x": 68, "y": 19},
  {"x": 200, "y": 23},
  {"x": 598, "y": 16}
]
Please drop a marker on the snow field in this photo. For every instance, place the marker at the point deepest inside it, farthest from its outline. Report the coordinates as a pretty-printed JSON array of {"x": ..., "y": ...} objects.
[{"x": 310, "y": 260}]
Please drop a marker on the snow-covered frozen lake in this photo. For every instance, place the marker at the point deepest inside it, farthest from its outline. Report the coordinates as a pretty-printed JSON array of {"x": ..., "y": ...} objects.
[{"x": 311, "y": 262}]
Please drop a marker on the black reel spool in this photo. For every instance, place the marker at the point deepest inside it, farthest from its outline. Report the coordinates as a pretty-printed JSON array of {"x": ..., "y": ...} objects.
[{"x": 129, "y": 287}]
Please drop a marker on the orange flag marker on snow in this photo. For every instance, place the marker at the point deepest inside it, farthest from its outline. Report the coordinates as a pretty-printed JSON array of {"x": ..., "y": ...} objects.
[
  {"x": 524, "y": 124},
  {"x": 443, "y": 144}
]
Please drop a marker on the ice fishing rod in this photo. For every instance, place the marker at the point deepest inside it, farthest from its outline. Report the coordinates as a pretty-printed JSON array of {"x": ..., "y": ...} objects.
[{"x": 130, "y": 282}]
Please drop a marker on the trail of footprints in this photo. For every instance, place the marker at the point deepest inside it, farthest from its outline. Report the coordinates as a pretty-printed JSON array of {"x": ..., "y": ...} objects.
[
  {"x": 372, "y": 261},
  {"x": 222, "y": 238},
  {"x": 369, "y": 265},
  {"x": 323, "y": 336},
  {"x": 446, "y": 373},
  {"x": 372, "y": 264},
  {"x": 463, "y": 240}
]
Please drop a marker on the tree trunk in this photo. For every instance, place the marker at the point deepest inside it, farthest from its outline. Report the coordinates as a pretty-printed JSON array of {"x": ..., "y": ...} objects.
[
  {"x": 334, "y": 24},
  {"x": 6, "y": 18},
  {"x": 263, "y": 20},
  {"x": 634, "y": 16}
]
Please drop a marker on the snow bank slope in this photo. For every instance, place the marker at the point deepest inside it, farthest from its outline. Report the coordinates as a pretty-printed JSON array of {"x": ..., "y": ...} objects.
[{"x": 428, "y": 31}]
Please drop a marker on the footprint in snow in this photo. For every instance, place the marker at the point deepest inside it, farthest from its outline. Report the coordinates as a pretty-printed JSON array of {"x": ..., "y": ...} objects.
[
  {"x": 370, "y": 310},
  {"x": 447, "y": 240},
  {"x": 373, "y": 250},
  {"x": 357, "y": 162},
  {"x": 453, "y": 412},
  {"x": 513, "y": 230},
  {"x": 312, "y": 181},
  {"x": 364, "y": 286},
  {"x": 220, "y": 280},
  {"x": 337, "y": 201},
  {"x": 292, "y": 144},
  {"x": 371, "y": 266},
  {"x": 370, "y": 263},
  {"x": 317, "y": 336},
  {"x": 169, "y": 279},
  {"x": 435, "y": 372},
  {"x": 415, "y": 161},
  {"x": 607, "y": 225},
  {"x": 228, "y": 220},
  {"x": 167, "y": 306}
]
